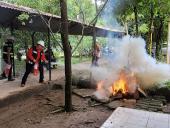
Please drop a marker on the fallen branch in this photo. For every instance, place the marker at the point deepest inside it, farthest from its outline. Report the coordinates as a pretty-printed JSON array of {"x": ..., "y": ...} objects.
[
  {"x": 95, "y": 18},
  {"x": 57, "y": 110},
  {"x": 142, "y": 92}
]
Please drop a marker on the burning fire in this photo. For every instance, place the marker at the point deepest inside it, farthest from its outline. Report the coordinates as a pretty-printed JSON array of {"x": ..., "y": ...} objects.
[
  {"x": 119, "y": 86},
  {"x": 126, "y": 82}
]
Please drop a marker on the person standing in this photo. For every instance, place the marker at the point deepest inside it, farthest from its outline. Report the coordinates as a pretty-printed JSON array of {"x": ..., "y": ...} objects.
[
  {"x": 35, "y": 57},
  {"x": 8, "y": 58},
  {"x": 96, "y": 55}
]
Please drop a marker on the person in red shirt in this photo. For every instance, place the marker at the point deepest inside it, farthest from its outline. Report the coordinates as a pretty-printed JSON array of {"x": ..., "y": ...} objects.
[{"x": 35, "y": 56}]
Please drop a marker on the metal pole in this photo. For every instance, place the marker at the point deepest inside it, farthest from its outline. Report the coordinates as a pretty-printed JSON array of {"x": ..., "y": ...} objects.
[
  {"x": 49, "y": 54},
  {"x": 94, "y": 42},
  {"x": 13, "y": 61}
]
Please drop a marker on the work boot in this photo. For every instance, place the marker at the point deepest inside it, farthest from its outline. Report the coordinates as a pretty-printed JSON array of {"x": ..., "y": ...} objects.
[
  {"x": 42, "y": 82},
  {"x": 2, "y": 76},
  {"x": 11, "y": 79},
  {"x": 22, "y": 85}
]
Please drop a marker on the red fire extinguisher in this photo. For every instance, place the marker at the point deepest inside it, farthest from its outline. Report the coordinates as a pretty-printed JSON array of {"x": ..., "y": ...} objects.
[{"x": 36, "y": 69}]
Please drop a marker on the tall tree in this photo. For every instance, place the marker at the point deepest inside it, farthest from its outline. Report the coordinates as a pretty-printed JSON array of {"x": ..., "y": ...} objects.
[
  {"x": 136, "y": 18},
  {"x": 67, "y": 55},
  {"x": 150, "y": 36}
]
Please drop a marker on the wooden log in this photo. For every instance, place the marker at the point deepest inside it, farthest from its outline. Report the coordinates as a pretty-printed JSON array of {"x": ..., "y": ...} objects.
[
  {"x": 57, "y": 110},
  {"x": 116, "y": 96},
  {"x": 150, "y": 102},
  {"x": 129, "y": 101},
  {"x": 142, "y": 92},
  {"x": 84, "y": 83},
  {"x": 93, "y": 103},
  {"x": 142, "y": 106},
  {"x": 84, "y": 93},
  {"x": 152, "y": 109},
  {"x": 115, "y": 104},
  {"x": 166, "y": 109},
  {"x": 93, "y": 97}
]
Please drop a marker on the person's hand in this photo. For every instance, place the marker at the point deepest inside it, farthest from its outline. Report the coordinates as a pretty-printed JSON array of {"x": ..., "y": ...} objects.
[
  {"x": 34, "y": 60},
  {"x": 46, "y": 61}
]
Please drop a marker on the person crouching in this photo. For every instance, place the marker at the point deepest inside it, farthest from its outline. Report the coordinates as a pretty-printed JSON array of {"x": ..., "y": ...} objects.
[{"x": 35, "y": 55}]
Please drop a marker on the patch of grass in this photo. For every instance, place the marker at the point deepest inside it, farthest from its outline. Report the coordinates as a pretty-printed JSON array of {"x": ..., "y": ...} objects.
[{"x": 75, "y": 60}]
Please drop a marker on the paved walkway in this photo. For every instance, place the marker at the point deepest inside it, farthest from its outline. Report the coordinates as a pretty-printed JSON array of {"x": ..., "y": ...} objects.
[
  {"x": 10, "y": 87},
  {"x": 132, "y": 118}
]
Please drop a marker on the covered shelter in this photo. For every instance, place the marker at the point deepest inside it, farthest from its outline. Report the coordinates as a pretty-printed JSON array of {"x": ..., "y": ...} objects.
[{"x": 45, "y": 22}]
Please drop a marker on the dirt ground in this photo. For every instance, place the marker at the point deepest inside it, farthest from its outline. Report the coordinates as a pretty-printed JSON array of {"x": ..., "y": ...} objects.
[
  {"x": 39, "y": 111},
  {"x": 35, "y": 112}
]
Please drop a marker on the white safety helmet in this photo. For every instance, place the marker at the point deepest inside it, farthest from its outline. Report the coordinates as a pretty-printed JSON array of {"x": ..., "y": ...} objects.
[
  {"x": 10, "y": 38},
  {"x": 40, "y": 42}
]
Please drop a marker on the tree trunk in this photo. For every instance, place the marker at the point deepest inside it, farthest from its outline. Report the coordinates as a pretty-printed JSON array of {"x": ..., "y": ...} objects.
[
  {"x": 67, "y": 55},
  {"x": 49, "y": 54},
  {"x": 126, "y": 28},
  {"x": 158, "y": 38},
  {"x": 94, "y": 42},
  {"x": 94, "y": 32},
  {"x": 168, "y": 44},
  {"x": 136, "y": 19},
  {"x": 32, "y": 37},
  {"x": 149, "y": 42}
]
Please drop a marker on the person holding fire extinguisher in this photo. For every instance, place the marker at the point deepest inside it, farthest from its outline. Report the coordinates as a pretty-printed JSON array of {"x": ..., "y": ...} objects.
[{"x": 35, "y": 59}]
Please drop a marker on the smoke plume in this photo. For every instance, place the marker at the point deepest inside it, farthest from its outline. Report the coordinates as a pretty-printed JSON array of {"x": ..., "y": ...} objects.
[{"x": 129, "y": 53}]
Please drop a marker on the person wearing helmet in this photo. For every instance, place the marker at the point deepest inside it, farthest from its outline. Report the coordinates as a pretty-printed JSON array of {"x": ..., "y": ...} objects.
[
  {"x": 35, "y": 56},
  {"x": 8, "y": 58}
]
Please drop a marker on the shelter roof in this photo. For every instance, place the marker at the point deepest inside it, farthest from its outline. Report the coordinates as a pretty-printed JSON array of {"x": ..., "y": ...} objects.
[{"x": 38, "y": 20}]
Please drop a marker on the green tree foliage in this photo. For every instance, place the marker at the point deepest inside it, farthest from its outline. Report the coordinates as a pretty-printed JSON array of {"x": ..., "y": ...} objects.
[
  {"x": 81, "y": 10},
  {"x": 134, "y": 14},
  {"x": 159, "y": 8},
  {"x": 50, "y": 6}
]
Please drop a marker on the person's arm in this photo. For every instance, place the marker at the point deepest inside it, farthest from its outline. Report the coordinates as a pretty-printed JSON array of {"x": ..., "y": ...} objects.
[
  {"x": 29, "y": 55},
  {"x": 43, "y": 58},
  {"x": 38, "y": 56}
]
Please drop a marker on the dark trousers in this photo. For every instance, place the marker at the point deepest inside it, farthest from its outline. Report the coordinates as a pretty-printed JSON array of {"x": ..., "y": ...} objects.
[
  {"x": 95, "y": 61},
  {"x": 29, "y": 68}
]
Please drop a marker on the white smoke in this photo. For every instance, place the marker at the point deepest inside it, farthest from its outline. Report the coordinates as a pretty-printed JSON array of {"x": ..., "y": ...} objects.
[
  {"x": 130, "y": 53},
  {"x": 108, "y": 15},
  {"x": 133, "y": 55}
]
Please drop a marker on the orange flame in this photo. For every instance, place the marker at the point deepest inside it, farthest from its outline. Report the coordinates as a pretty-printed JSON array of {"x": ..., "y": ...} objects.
[
  {"x": 119, "y": 85},
  {"x": 100, "y": 85}
]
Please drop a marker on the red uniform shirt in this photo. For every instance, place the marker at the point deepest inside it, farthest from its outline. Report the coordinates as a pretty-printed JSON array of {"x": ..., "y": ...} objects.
[{"x": 39, "y": 54}]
